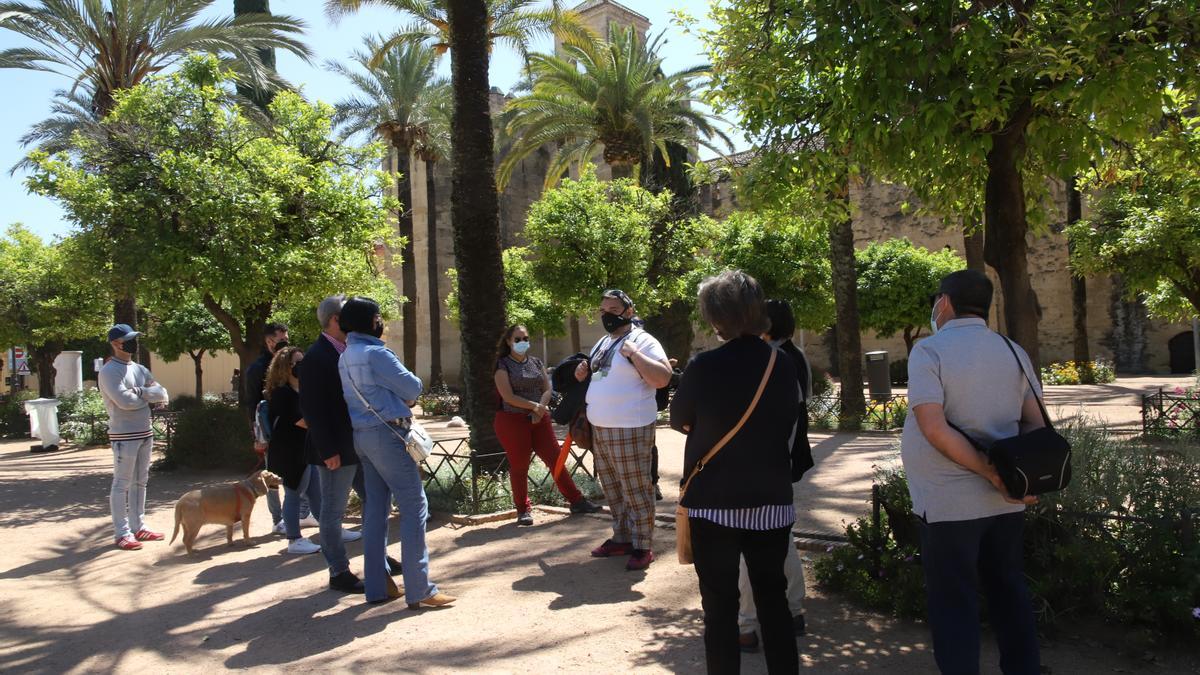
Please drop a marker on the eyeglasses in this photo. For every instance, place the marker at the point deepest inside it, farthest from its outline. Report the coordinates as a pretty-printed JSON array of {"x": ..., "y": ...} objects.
[{"x": 521, "y": 339}]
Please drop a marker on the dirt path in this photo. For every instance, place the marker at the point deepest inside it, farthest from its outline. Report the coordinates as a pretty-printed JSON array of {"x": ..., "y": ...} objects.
[{"x": 531, "y": 600}]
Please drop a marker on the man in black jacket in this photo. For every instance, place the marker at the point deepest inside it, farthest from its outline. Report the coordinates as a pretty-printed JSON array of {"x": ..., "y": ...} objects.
[
  {"x": 330, "y": 443},
  {"x": 275, "y": 337}
]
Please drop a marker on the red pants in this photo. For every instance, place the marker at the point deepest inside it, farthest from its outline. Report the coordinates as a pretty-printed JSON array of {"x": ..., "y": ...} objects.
[{"x": 520, "y": 438}]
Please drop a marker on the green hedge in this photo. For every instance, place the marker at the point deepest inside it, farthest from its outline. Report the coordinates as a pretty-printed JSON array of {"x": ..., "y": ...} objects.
[
  {"x": 14, "y": 423},
  {"x": 212, "y": 435},
  {"x": 83, "y": 418},
  {"x": 1141, "y": 570}
]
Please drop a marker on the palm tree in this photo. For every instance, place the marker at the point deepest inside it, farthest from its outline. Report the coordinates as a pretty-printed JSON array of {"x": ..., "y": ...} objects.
[
  {"x": 610, "y": 98},
  {"x": 401, "y": 99},
  {"x": 514, "y": 23},
  {"x": 105, "y": 46}
]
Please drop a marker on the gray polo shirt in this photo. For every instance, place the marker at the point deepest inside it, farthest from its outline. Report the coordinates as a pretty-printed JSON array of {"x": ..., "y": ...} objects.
[{"x": 967, "y": 369}]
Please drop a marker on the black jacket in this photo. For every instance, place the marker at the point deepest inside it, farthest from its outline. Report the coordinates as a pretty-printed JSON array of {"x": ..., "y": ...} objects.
[
  {"x": 285, "y": 453},
  {"x": 324, "y": 405},
  {"x": 802, "y": 459},
  {"x": 757, "y": 467},
  {"x": 252, "y": 382},
  {"x": 574, "y": 392}
]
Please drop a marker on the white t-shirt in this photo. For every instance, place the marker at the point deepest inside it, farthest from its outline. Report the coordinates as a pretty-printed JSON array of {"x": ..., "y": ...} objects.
[{"x": 620, "y": 398}]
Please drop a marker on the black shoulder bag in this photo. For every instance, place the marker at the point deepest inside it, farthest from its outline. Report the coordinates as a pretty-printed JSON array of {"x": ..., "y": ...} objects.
[{"x": 1033, "y": 463}]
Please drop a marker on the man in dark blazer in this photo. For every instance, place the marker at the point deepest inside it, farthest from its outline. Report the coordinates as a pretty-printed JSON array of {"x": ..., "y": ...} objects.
[{"x": 330, "y": 444}]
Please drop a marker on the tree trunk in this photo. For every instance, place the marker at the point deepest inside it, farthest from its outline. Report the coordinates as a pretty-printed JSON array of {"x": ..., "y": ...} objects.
[
  {"x": 196, "y": 359},
  {"x": 408, "y": 270},
  {"x": 973, "y": 245},
  {"x": 849, "y": 340},
  {"x": 576, "y": 341},
  {"x": 435, "y": 275},
  {"x": 672, "y": 324},
  {"x": 1005, "y": 227},
  {"x": 261, "y": 98},
  {"x": 43, "y": 359},
  {"x": 911, "y": 333},
  {"x": 125, "y": 311},
  {"x": 247, "y": 343},
  {"x": 1083, "y": 352},
  {"x": 475, "y": 212}
]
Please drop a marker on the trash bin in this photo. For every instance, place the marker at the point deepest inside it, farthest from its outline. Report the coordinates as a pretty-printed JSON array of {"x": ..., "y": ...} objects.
[
  {"x": 879, "y": 376},
  {"x": 43, "y": 422}
]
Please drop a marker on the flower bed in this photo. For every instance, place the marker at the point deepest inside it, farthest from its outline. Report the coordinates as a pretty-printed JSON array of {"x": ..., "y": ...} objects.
[{"x": 1079, "y": 372}]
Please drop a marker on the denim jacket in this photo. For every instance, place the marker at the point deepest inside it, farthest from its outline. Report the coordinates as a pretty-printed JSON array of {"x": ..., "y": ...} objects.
[{"x": 382, "y": 379}]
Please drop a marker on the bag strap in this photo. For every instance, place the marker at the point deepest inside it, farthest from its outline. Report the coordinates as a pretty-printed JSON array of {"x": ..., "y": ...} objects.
[
  {"x": 368, "y": 407},
  {"x": 738, "y": 427},
  {"x": 1032, "y": 388}
]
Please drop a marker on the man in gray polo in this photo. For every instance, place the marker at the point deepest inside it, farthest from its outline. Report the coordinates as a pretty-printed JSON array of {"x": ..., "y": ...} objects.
[{"x": 971, "y": 532}]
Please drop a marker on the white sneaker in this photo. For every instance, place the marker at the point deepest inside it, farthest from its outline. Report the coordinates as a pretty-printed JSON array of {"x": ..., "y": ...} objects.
[
  {"x": 309, "y": 521},
  {"x": 301, "y": 546},
  {"x": 351, "y": 535},
  {"x": 280, "y": 528}
]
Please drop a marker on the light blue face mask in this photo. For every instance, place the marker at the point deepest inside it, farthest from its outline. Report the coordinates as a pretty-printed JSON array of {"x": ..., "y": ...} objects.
[{"x": 521, "y": 347}]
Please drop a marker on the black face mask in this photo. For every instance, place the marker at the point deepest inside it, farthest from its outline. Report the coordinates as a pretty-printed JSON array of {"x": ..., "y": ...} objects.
[
  {"x": 377, "y": 330},
  {"x": 279, "y": 345},
  {"x": 613, "y": 323},
  {"x": 130, "y": 346}
]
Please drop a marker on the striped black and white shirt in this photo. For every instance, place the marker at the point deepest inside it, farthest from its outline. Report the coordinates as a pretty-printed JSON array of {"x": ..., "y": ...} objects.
[{"x": 769, "y": 517}]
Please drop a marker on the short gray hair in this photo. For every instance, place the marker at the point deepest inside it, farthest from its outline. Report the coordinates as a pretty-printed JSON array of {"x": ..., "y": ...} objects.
[
  {"x": 328, "y": 307},
  {"x": 733, "y": 303}
]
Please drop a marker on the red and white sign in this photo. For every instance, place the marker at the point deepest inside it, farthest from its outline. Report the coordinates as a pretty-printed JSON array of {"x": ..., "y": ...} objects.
[{"x": 18, "y": 362}]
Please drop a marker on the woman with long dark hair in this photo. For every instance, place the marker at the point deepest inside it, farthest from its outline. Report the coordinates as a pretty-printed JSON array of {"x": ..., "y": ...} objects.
[
  {"x": 285, "y": 453},
  {"x": 522, "y": 423}
]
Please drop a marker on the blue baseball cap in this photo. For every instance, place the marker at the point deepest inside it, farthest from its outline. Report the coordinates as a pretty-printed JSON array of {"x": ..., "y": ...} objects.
[{"x": 122, "y": 332}]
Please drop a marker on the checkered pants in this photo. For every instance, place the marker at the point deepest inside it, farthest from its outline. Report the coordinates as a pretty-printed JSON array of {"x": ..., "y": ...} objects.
[{"x": 623, "y": 464}]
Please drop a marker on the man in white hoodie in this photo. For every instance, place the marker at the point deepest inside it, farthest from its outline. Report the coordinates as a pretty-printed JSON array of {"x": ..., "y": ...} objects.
[{"x": 129, "y": 389}]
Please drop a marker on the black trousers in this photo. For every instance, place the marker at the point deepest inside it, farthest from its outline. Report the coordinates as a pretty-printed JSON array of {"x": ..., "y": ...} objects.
[
  {"x": 716, "y": 550},
  {"x": 960, "y": 559}
]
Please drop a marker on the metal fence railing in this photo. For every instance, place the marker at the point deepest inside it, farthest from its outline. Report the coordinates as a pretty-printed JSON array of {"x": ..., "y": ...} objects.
[
  {"x": 459, "y": 480},
  {"x": 883, "y": 412},
  {"x": 1171, "y": 414}
]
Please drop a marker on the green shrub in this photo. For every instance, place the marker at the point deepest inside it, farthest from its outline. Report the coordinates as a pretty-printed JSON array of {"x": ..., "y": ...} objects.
[
  {"x": 440, "y": 402},
  {"x": 212, "y": 435},
  {"x": 184, "y": 402},
  {"x": 83, "y": 418},
  {"x": 822, "y": 383},
  {"x": 14, "y": 423},
  {"x": 898, "y": 371},
  {"x": 1139, "y": 568},
  {"x": 899, "y": 589}
]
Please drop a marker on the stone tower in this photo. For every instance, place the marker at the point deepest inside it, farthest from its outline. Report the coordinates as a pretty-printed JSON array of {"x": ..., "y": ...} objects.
[{"x": 600, "y": 14}]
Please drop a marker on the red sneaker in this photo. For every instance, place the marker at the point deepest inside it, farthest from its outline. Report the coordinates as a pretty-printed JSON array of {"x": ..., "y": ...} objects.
[
  {"x": 611, "y": 548},
  {"x": 148, "y": 535},
  {"x": 128, "y": 543},
  {"x": 640, "y": 559}
]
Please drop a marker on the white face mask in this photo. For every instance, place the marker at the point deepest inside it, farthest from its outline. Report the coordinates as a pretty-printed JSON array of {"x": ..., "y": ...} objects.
[
  {"x": 933, "y": 317},
  {"x": 520, "y": 347}
]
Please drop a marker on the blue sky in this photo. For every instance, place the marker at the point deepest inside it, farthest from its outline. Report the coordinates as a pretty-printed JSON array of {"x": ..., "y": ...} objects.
[{"x": 29, "y": 93}]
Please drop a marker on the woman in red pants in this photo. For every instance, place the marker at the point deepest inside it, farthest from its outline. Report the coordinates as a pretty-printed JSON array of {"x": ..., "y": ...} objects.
[{"x": 523, "y": 423}]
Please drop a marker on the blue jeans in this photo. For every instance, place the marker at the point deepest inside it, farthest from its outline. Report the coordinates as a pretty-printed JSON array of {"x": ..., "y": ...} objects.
[
  {"x": 131, "y": 472},
  {"x": 335, "y": 491},
  {"x": 961, "y": 558},
  {"x": 275, "y": 506},
  {"x": 389, "y": 472},
  {"x": 310, "y": 486}
]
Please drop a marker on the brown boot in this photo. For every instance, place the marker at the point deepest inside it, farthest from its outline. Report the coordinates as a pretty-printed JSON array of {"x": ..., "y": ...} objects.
[{"x": 434, "y": 601}]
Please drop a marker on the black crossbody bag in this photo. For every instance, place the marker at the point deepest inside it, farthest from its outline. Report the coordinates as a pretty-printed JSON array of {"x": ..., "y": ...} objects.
[{"x": 1033, "y": 463}]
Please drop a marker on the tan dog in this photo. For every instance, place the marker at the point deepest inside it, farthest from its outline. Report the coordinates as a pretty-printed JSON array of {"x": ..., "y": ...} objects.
[{"x": 225, "y": 505}]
